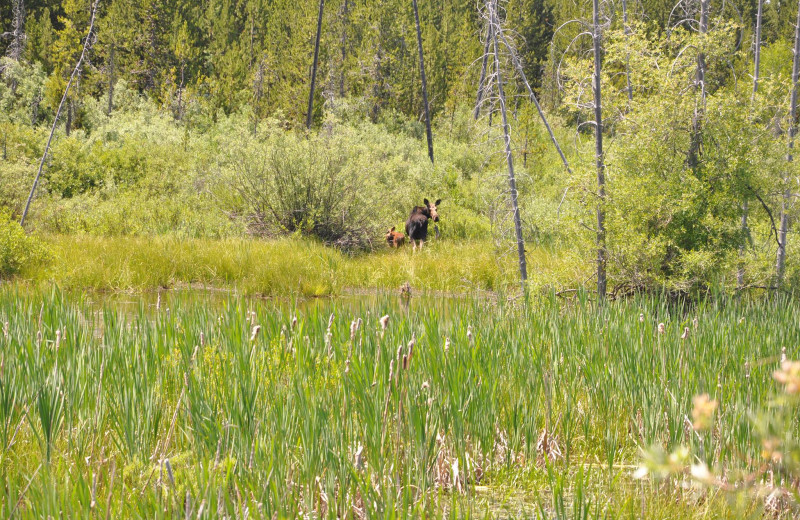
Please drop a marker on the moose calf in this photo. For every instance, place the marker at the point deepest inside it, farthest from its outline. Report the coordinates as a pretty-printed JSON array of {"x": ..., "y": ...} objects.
[{"x": 395, "y": 239}]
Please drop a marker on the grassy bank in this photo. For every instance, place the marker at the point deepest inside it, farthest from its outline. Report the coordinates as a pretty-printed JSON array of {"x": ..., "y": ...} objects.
[
  {"x": 149, "y": 412},
  {"x": 288, "y": 266}
]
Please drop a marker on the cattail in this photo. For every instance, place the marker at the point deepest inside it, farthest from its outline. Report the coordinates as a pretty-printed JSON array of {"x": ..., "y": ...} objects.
[
  {"x": 202, "y": 340},
  {"x": 411, "y": 346},
  {"x": 661, "y": 328},
  {"x": 405, "y": 362},
  {"x": 294, "y": 322},
  {"x": 255, "y": 332},
  {"x": 685, "y": 333},
  {"x": 425, "y": 385},
  {"x": 469, "y": 333},
  {"x": 783, "y": 354},
  {"x": 58, "y": 339},
  {"x": 641, "y": 317},
  {"x": 347, "y": 366},
  {"x": 747, "y": 370},
  {"x": 354, "y": 328},
  {"x": 391, "y": 370},
  {"x": 384, "y": 321},
  {"x": 359, "y": 458},
  {"x": 446, "y": 344},
  {"x": 169, "y": 472},
  {"x": 94, "y": 491},
  {"x": 330, "y": 321},
  {"x": 695, "y": 322}
]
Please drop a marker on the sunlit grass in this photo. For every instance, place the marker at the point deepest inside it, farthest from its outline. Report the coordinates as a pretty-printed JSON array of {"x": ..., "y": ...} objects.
[
  {"x": 179, "y": 403},
  {"x": 286, "y": 266}
]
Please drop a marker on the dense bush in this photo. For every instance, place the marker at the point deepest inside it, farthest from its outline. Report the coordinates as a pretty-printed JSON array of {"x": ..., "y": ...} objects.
[{"x": 18, "y": 251}]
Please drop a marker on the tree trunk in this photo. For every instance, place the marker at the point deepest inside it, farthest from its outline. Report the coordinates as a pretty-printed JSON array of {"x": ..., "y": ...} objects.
[
  {"x": 625, "y": 27},
  {"x": 111, "y": 81},
  {"x": 58, "y": 112},
  {"x": 481, "y": 85},
  {"x": 314, "y": 65},
  {"x": 424, "y": 83},
  {"x": 757, "y": 49},
  {"x": 512, "y": 183},
  {"x": 694, "y": 146},
  {"x": 18, "y": 31},
  {"x": 780, "y": 263},
  {"x": 601, "y": 181},
  {"x": 518, "y": 65},
  {"x": 756, "y": 66},
  {"x": 345, "y": 20}
]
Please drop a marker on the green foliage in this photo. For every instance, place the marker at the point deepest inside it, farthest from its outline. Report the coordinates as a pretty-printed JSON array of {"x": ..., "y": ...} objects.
[
  {"x": 18, "y": 251},
  {"x": 497, "y": 408}
]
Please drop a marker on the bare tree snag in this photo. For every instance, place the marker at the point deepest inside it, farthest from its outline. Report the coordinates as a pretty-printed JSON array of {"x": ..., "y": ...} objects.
[
  {"x": 601, "y": 180},
  {"x": 428, "y": 133},
  {"x": 780, "y": 263},
  {"x": 745, "y": 209},
  {"x": 17, "y": 31},
  {"x": 314, "y": 65},
  {"x": 520, "y": 70},
  {"x": 627, "y": 31},
  {"x": 345, "y": 21},
  {"x": 512, "y": 183},
  {"x": 111, "y": 81},
  {"x": 693, "y": 159},
  {"x": 483, "y": 73},
  {"x": 75, "y": 71}
]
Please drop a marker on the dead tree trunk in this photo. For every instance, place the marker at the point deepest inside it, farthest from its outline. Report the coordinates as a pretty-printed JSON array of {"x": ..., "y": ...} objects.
[
  {"x": 345, "y": 19},
  {"x": 780, "y": 263},
  {"x": 520, "y": 70},
  {"x": 86, "y": 44},
  {"x": 428, "y": 133},
  {"x": 601, "y": 180},
  {"x": 512, "y": 183},
  {"x": 745, "y": 208},
  {"x": 111, "y": 81},
  {"x": 757, "y": 49},
  {"x": 694, "y": 146},
  {"x": 17, "y": 31},
  {"x": 627, "y": 31},
  {"x": 314, "y": 65},
  {"x": 483, "y": 73}
]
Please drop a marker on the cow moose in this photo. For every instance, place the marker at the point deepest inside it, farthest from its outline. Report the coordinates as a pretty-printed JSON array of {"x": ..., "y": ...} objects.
[
  {"x": 417, "y": 223},
  {"x": 394, "y": 238}
]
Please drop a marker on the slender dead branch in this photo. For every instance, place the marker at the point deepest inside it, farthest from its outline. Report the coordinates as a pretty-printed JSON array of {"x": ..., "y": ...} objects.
[
  {"x": 428, "y": 133},
  {"x": 512, "y": 183},
  {"x": 72, "y": 76},
  {"x": 314, "y": 65}
]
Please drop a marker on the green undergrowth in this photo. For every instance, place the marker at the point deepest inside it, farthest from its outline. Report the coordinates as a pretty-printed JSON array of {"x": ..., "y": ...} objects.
[
  {"x": 456, "y": 407},
  {"x": 288, "y": 266}
]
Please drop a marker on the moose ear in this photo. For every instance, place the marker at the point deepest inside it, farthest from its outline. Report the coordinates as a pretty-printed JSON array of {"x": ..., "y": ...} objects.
[
  {"x": 392, "y": 228},
  {"x": 425, "y": 201},
  {"x": 438, "y": 202}
]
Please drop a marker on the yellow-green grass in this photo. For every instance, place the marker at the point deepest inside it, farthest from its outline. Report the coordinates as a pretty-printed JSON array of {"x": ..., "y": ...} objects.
[{"x": 291, "y": 266}]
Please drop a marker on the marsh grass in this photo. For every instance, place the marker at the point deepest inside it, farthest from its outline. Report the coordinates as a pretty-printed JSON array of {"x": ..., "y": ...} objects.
[
  {"x": 156, "y": 410},
  {"x": 288, "y": 266}
]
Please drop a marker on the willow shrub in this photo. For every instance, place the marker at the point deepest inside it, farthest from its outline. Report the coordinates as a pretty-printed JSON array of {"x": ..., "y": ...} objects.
[{"x": 18, "y": 251}]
